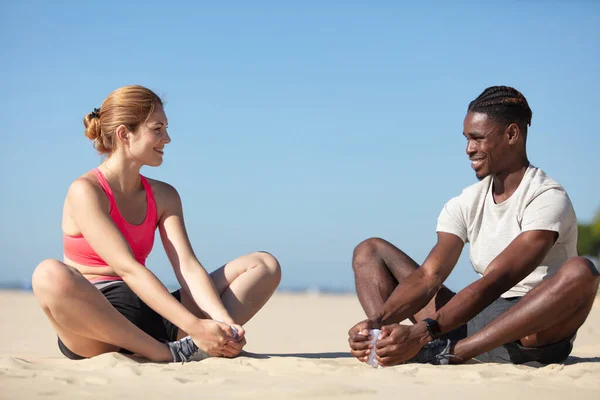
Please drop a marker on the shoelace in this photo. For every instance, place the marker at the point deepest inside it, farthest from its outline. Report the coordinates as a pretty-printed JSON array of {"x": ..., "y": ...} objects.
[
  {"x": 185, "y": 350},
  {"x": 428, "y": 355},
  {"x": 444, "y": 357}
]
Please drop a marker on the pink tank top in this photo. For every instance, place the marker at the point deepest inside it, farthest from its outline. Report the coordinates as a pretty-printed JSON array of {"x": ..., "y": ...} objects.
[{"x": 139, "y": 237}]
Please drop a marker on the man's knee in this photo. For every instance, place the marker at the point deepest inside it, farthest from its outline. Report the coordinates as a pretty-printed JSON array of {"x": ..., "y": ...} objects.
[
  {"x": 368, "y": 249},
  {"x": 580, "y": 271}
]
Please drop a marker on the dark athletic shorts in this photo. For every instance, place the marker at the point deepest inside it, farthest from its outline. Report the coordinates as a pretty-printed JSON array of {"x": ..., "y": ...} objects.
[
  {"x": 135, "y": 310},
  {"x": 512, "y": 352}
]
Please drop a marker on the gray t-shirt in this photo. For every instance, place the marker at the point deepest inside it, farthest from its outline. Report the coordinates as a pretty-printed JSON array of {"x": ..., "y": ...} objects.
[{"x": 539, "y": 203}]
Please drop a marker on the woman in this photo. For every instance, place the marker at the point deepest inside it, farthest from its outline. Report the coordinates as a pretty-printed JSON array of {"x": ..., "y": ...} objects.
[{"x": 101, "y": 298}]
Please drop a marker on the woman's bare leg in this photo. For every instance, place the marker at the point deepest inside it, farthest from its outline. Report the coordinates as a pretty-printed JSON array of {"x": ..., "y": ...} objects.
[
  {"x": 84, "y": 320},
  {"x": 244, "y": 284}
]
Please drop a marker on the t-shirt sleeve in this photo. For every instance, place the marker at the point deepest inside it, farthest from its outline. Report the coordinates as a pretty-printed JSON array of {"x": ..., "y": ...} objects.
[
  {"x": 550, "y": 211},
  {"x": 452, "y": 219}
]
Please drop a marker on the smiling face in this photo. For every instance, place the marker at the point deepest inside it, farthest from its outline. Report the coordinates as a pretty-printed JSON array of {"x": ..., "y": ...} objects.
[
  {"x": 490, "y": 145},
  {"x": 147, "y": 142}
]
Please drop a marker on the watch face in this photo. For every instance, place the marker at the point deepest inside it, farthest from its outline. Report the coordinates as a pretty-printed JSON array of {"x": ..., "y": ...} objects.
[{"x": 433, "y": 327}]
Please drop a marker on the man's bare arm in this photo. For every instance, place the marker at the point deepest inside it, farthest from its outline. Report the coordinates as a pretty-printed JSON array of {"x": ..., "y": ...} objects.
[
  {"x": 419, "y": 288},
  {"x": 519, "y": 259}
]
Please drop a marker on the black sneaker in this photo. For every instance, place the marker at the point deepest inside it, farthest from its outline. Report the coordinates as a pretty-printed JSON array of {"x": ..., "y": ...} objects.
[
  {"x": 185, "y": 350},
  {"x": 436, "y": 352}
]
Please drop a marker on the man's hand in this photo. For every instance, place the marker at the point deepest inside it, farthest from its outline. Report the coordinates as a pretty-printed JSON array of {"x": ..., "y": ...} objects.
[
  {"x": 359, "y": 339},
  {"x": 399, "y": 343}
]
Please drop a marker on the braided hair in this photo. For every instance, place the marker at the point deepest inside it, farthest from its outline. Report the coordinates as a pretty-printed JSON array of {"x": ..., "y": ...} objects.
[{"x": 503, "y": 104}]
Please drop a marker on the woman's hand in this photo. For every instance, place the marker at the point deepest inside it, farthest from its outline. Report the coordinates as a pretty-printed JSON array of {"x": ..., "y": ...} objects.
[
  {"x": 240, "y": 332},
  {"x": 239, "y": 341},
  {"x": 216, "y": 338}
]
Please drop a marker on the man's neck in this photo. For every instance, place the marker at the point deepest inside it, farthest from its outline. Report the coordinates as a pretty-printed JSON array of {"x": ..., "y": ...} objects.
[{"x": 507, "y": 182}]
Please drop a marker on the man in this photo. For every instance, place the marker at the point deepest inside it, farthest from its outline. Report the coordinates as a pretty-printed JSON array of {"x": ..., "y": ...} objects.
[{"x": 533, "y": 293}]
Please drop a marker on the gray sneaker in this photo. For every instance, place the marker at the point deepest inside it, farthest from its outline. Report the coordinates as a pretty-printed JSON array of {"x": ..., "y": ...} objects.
[
  {"x": 185, "y": 350},
  {"x": 436, "y": 352}
]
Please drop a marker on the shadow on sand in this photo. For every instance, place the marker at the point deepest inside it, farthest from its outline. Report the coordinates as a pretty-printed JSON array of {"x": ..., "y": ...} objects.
[
  {"x": 298, "y": 355},
  {"x": 578, "y": 360},
  {"x": 572, "y": 360}
]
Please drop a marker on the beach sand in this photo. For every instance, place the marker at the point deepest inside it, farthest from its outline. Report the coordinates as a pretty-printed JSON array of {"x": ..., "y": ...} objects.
[{"x": 297, "y": 349}]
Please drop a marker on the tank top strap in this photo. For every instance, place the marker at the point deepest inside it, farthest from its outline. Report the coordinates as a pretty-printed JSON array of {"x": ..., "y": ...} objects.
[
  {"x": 152, "y": 214},
  {"x": 106, "y": 187}
]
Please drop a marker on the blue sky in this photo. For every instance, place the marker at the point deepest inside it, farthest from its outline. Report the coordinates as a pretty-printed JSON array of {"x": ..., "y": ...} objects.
[{"x": 300, "y": 129}]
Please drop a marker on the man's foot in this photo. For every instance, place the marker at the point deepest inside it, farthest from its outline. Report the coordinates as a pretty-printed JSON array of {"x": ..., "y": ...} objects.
[
  {"x": 436, "y": 352},
  {"x": 185, "y": 350}
]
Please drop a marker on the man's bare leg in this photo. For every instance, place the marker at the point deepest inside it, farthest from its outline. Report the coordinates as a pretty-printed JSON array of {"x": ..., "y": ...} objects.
[
  {"x": 379, "y": 267},
  {"x": 551, "y": 312}
]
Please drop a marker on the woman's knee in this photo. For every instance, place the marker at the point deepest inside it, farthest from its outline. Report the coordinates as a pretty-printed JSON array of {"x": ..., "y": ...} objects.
[
  {"x": 270, "y": 264},
  {"x": 51, "y": 277}
]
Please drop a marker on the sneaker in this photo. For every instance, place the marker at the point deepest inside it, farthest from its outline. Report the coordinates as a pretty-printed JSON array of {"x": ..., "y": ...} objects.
[
  {"x": 436, "y": 352},
  {"x": 185, "y": 350}
]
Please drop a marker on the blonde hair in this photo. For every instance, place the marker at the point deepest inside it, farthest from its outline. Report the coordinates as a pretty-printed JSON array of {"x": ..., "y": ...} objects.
[{"x": 129, "y": 106}]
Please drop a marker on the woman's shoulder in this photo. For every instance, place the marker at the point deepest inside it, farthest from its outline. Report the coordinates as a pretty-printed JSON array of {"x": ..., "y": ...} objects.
[
  {"x": 161, "y": 188},
  {"x": 164, "y": 193},
  {"x": 85, "y": 185},
  {"x": 87, "y": 188}
]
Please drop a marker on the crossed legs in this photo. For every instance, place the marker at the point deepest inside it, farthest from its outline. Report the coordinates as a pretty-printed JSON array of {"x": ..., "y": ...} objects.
[
  {"x": 551, "y": 312},
  {"x": 89, "y": 325},
  {"x": 378, "y": 268}
]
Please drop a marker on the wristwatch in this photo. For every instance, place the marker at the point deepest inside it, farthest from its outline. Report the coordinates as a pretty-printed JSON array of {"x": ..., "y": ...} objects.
[{"x": 433, "y": 328}]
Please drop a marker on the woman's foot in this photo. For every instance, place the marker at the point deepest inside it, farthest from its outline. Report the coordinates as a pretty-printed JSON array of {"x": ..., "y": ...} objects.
[{"x": 185, "y": 350}]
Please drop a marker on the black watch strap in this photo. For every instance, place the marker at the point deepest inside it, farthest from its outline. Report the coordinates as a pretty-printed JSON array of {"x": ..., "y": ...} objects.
[{"x": 433, "y": 328}]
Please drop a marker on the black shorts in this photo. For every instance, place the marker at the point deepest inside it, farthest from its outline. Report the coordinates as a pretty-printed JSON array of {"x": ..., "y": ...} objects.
[
  {"x": 125, "y": 301},
  {"x": 512, "y": 352}
]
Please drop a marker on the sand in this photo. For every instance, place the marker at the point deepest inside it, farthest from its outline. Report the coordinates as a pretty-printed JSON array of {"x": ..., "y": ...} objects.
[{"x": 297, "y": 349}]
